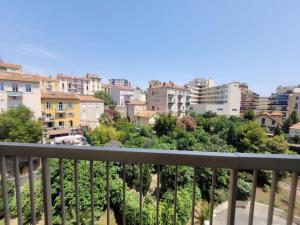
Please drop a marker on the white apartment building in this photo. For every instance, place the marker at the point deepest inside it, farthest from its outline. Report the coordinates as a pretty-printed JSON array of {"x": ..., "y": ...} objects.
[
  {"x": 119, "y": 81},
  {"x": 91, "y": 109},
  {"x": 79, "y": 85},
  {"x": 121, "y": 94},
  {"x": 168, "y": 97},
  {"x": 222, "y": 99},
  {"x": 20, "y": 89}
]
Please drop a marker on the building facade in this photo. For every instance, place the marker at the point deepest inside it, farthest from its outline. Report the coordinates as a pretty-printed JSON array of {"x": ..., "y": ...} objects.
[
  {"x": 121, "y": 94},
  {"x": 106, "y": 87},
  {"x": 79, "y": 85},
  {"x": 139, "y": 94},
  {"x": 119, "y": 81},
  {"x": 167, "y": 97},
  {"x": 49, "y": 84},
  {"x": 294, "y": 102},
  {"x": 60, "y": 110},
  {"x": 91, "y": 109},
  {"x": 270, "y": 121},
  {"x": 249, "y": 99},
  {"x": 222, "y": 99},
  {"x": 262, "y": 105},
  {"x": 20, "y": 89},
  {"x": 294, "y": 130}
]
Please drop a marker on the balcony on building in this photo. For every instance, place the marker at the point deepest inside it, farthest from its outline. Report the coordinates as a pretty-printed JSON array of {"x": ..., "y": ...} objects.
[{"x": 14, "y": 94}]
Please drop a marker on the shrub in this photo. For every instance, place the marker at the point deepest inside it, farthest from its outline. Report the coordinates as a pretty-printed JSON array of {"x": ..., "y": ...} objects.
[{"x": 244, "y": 190}]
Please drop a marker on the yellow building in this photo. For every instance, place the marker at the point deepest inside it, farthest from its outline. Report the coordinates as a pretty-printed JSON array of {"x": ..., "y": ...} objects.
[
  {"x": 60, "y": 110},
  {"x": 294, "y": 103},
  {"x": 49, "y": 84}
]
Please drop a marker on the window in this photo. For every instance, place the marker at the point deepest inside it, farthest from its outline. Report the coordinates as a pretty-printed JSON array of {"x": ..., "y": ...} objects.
[
  {"x": 296, "y": 105},
  {"x": 15, "y": 88},
  {"x": 263, "y": 121},
  {"x": 1, "y": 86},
  {"x": 2, "y": 104},
  {"x": 69, "y": 86},
  {"x": 70, "y": 105},
  {"x": 220, "y": 109},
  {"x": 234, "y": 110},
  {"x": 60, "y": 106},
  {"x": 61, "y": 123},
  {"x": 83, "y": 105},
  {"x": 153, "y": 108},
  {"x": 48, "y": 105},
  {"x": 63, "y": 85},
  {"x": 48, "y": 115},
  {"x": 28, "y": 87},
  {"x": 87, "y": 88},
  {"x": 71, "y": 123},
  {"x": 273, "y": 122},
  {"x": 297, "y": 97}
]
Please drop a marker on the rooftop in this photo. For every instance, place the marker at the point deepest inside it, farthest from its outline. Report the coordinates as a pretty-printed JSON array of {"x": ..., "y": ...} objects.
[
  {"x": 89, "y": 98},
  {"x": 19, "y": 77},
  {"x": 136, "y": 102},
  {"x": 296, "y": 126},
  {"x": 167, "y": 85},
  {"x": 59, "y": 95},
  {"x": 71, "y": 77},
  {"x": 10, "y": 65}
]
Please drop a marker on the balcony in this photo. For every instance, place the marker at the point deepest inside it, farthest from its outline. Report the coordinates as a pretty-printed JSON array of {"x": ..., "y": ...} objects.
[
  {"x": 47, "y": 119},
  {"x": 14, "y": 94},
  {"x": 234, "y": 162}
]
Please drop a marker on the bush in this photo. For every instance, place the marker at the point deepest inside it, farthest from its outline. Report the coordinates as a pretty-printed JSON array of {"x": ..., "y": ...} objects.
[
  {"x": 220, "y": 196},
  {"x": 244, "y": 190}
]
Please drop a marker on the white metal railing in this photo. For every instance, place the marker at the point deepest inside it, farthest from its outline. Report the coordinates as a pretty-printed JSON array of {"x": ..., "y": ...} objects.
[{"x": 232, "y": 161}]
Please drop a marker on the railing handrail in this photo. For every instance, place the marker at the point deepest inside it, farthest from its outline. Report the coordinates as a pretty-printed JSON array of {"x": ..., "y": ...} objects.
[{"x": 249, "y": 161}]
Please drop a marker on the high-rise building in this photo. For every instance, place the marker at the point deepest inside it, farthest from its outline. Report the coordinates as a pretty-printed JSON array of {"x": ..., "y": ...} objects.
[
  {"x": 221, "y": 99},
  {"x": 249, "y": 99},
  {"x": 119, "y": 81},
  {"x": 262, "y": 105},
  {"x": 167, "y": 97}
]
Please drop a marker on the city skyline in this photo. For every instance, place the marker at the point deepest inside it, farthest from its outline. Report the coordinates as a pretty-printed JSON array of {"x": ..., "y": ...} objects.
[{"x": 255, "y": 42}]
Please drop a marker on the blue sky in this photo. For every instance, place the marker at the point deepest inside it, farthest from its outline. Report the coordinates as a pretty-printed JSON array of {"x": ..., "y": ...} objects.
[{"x": 255, "y": 41}]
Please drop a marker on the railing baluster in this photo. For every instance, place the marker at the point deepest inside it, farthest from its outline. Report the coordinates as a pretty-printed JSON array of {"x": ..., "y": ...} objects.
[
  {"x": 175, "y": 195},
  {"x": 212, "y": 196},
  {"x": 292, "y": 199},
  {"x": 107, "y": 193},
  {"x": 232, "y": 197},
  {"x": 194, "y": 193},
  {"x": 4, "y": 190},
  {"x": 47, "y": 191},
  {"x": 62, "y": 191},
  {"x": 77, "y": 212},
  {"x": 253, "y": 195},
  {"x": 92, "y": 191},
  {"x": 31, "y": 189},
  {"x": 157, "y": 195},
  {"x": 272, "y": 198},
  {"x": 124, "y": 194},
  {"x": 141, "y": 194},
  {"x": 18, "y": 191}
]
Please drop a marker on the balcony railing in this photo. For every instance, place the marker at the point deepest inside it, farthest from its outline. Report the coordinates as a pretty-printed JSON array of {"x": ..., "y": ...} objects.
[
  {"x": 231, "y": 161},
  {"x": 14, "y": 94}
]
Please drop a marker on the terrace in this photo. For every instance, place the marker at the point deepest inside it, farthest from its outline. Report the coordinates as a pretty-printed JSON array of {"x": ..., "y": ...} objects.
[{"x": 234, "y": 162}]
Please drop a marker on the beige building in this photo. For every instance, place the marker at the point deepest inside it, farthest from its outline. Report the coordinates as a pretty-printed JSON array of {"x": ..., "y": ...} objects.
[
  {"x": 79, "y": 85},
  {"x": 20, "y": 89},
  {"x": 294, "y": 102},
  {"x": 106, "y": 88},
  {"x": 8, "y": 67},
  {"x": 137, "y": 113},
  {"x": 49, "y": 84},
  {"x": 270, "y": 121},
  {"x": 249, "y": 99},
  {"x": 262, "y": 105},
  {"x": 168, "y": 97},
  {"x": 91, "y": 109},
  {"x": 294, "y": 130}
]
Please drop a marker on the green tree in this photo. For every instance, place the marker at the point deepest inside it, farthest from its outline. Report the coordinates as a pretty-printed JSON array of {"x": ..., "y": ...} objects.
[
  {"x": 291, "y": 120},
  {"x": 164, "y": 124},
  {"x": 19, "y": 125},
  {"x": 249, "y": 115},
  {"x": 106, "y": 97}
]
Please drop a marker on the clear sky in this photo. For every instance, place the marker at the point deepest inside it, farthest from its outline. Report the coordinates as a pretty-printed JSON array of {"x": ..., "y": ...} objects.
[{"x": 256, "y": 41}]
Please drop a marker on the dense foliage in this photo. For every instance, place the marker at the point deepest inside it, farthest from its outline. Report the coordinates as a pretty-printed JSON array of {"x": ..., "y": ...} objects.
[{"x": 105, "y": 96}]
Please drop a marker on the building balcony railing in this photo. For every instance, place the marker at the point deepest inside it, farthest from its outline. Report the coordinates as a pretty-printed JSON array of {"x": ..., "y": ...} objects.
[
  {"x": 47, "y": 119},
  {"x": 14, "y": 94},
  {"x": 235, "y": 162}
]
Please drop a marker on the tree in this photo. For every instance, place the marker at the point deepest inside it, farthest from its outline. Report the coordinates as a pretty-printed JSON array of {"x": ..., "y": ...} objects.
[
  {"x": 189, "y": 123},
  {"x": 164, "y": 124},
  {"x": 105, "y": 96},
  {"x": 291, "y": 120},
  {"x": 249, "y": 115},
  {"x": 19, "y": 125}
]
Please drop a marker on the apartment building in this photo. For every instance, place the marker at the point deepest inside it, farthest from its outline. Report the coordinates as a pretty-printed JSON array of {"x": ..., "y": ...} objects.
[
  {"x": 60, "y": 110},
  {"x": 106, "y": 87},
  {"x": 167, "y": 97},
  {"x": 91, "y": 109},
  {"x": 79, "y": 85},
  {"x": 279, "y": 100},
  {"x": 249, "y": 99},
  {"x": 139, "y": 94},
  {"x": 20, "y": 89},
  {"x": 262, "y": 105},
  {"x": 121, "y": 94},
  {"x": 294, "y": 102},
  {"x": 222, "y": 99},
  {"x": 119, "y": 81},
  {"x": 9, "y": 67}
]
